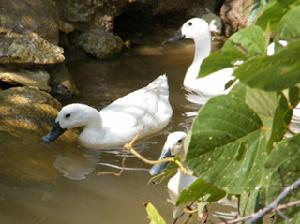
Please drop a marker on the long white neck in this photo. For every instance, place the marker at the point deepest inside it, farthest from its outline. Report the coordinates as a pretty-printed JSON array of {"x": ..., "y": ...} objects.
[{"x": 202, "y": 50}]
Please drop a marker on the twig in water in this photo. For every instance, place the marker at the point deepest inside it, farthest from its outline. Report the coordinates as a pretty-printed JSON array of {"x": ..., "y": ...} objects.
[
  {"x": 129, "y": 147},
  {"x": 115, "y": 173},
  {"x": 124, "y": 168}
]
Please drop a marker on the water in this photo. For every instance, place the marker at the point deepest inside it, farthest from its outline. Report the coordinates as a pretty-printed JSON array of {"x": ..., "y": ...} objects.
[{"x": 58, "y": 183}]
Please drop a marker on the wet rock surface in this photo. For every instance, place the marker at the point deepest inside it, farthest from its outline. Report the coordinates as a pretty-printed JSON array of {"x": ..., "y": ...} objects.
[
  {"x": 101, "y": 44},
  {"x": 25, "y": 77},
  {"x": 28, "y": 48},
  {"x": 63, "y": 86},
  {"x": 39, "y": 16},
  {"x": 28, "y": 109}
]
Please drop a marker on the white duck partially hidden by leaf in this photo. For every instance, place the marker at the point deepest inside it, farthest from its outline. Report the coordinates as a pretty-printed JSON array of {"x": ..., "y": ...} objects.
[
  {"x": 208, "y": 86},
  {"x": 144, "y": 112},
  {"x": 174, "y": 146}
]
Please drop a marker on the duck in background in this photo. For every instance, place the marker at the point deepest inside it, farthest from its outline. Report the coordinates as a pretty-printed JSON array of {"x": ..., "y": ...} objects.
[{"x": 201, "y": 89}]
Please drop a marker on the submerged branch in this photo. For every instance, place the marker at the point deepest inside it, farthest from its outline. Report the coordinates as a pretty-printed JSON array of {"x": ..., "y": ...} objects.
[
  {"x": 129, "y": 147},
  {"x": 272, "y": 207},
  {"x": 122, "y": 169}
]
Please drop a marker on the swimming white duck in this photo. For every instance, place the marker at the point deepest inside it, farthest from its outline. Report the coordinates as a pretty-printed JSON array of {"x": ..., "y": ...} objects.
[
  {"x": 180, "y": 181},
  {"x": 208, "y": 86},
  {"x": 174, "y": 146},
  {"x": 144, "y": 112}
]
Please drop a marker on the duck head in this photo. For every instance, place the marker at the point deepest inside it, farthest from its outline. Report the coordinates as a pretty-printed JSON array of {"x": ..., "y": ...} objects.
[
  {"x": 172, "y": 147},
  {"x": 193, "y": 28},
  {"x": 72, "y": 116}
]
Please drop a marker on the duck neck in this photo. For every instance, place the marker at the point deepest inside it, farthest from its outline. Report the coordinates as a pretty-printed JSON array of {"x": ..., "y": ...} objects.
[
  {"x": 202, "y": 50},
  {"x": 94, "y": 123}
]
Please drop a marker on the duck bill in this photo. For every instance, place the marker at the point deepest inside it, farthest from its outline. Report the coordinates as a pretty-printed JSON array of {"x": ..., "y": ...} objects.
[
  {"x": 177, "y": 36},
  {"x": 158, "y": 168},
  {"x": 56, "y": 131}
]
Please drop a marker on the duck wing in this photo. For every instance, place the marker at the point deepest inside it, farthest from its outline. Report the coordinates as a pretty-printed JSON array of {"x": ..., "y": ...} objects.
[{"x": 147, "y": 107}]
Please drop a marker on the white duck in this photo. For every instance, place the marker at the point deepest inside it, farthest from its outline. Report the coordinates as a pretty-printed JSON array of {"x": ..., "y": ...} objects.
[
  {"x": 180, "y": 181},
  {"x": 208, "y": 86},
  {"x": 174, "y": 146},
  {"x": 144, "y": 112}
]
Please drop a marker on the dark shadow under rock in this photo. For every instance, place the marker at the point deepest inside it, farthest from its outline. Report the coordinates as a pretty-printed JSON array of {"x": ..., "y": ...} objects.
[{"x": 25, "y": 77}]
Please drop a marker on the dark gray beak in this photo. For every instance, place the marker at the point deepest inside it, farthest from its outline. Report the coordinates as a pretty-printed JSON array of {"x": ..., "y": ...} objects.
[
  {"x": 177, "y": 36},
  {"x": 158, "y": 168},
  {"x": 54, "y": 134}
]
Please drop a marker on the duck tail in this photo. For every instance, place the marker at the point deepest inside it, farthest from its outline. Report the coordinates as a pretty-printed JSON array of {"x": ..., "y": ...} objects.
[{"x": 160, "y": 81}]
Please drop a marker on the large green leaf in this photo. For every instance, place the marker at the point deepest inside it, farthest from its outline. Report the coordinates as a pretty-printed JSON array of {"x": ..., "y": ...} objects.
[
  {"x": 246, "y": 43},
  {"x": 288, "y": 27},
  {"x": 230, "y": 141},
  {"x": 272, "y": 73},
  {"x": 153, "y": 214},
  {"x": 273, "y": 13},
  {"x": 200, "y": 189},
  {"x": 276, "y": 120}
]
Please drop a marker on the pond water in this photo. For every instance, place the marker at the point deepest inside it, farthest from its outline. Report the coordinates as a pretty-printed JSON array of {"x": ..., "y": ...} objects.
[{"x": 58, "y": 183}]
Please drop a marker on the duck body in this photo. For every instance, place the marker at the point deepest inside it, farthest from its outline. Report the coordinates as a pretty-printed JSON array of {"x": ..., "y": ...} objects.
[
  {"x": 174, "y": 146},
  {"x": 179, "y": 182},
  {"x": 144, "y": 112},
  {"x": 202, "y": 89}
]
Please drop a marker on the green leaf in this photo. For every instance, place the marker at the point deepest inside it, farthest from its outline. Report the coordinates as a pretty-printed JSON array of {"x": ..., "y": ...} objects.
[
  {"x": 246, "y": 43},
  {"x": 200, "y": 189},
  {"x": 288, "y": 28},
  {"x": 272, "y": 73},
  {"x": 221, "y": 120},
  {"x": 153, "y": 214},
  {"x": 230, "y": 140},
  {"x": 263, "y": 103},
  {"x": 251, "y": 202},
  {"x": 281, "y": 169},
  {"x": 282, "y": 166},
  {"x": 273, "y": 13},
  {"x": 294, "y": 95}
]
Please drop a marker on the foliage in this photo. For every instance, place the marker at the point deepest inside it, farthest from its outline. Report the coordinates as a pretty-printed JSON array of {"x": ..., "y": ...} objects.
[
  {"x": 153, "y": 214},
  {"x": 239, "y": 142},
  {"x": 247, "y": 43},
  {"x": 200, "y": 189}
]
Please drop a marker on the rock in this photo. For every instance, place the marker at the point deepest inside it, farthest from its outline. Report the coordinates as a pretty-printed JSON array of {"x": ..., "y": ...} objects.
[
  {"x": 78, "y": 10},
  {"x": 26, "y": 77},
  {"x": 101, "y": 44},
  {"x": 234, "y": 14},
  {"x": 39, "y": 16},
  {"x": 28, "y": 48},
  {"x": 66, "y": 27},
  {"x": 28, "y": 109},
  {"x": 165, "y": 6},
  {"x": 62, "y": 84}
]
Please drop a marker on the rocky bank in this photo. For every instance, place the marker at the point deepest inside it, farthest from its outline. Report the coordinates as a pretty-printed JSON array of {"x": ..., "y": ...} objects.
[{"x": 35, "y": 35}]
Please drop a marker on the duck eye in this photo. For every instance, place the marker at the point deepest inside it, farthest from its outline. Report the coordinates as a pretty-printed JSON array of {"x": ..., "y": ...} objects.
[
  {"x": 68, "y": 115},
  {"x": 179, "y": 141},
  {"x": 189, "y": 23}
]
